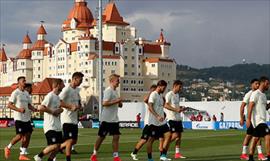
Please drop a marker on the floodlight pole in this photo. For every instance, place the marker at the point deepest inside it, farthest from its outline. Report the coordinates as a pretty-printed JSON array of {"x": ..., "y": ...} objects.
[{"x": 100, "y": 67}]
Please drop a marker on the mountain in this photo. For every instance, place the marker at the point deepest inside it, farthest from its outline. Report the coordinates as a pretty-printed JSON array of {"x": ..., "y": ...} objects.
[{"x": 239, "y": 73}]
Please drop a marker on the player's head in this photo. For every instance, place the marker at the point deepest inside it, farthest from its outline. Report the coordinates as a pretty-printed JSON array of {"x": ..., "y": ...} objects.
[
  {"x": 28, "y": 87},
  {"x": 153, "y": 87},
  {"x": 177, "y": 86},
  {"x": 114, "y": 80},
  {"x": 264, "y": 83},
  {"x": 77, "y": 79},
  {"x": 254, "y": 83},
  {"x": 21, "y": 81},
  {"x": 161, "y": 86},
  {"x": 58, "y": 85}
]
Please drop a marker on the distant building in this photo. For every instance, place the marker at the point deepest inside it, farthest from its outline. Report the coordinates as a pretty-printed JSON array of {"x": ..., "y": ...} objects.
[{"x": 140, "y": 63}]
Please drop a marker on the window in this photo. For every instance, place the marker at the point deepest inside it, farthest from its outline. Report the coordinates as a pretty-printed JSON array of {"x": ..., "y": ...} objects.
[
  {"x": 126, "y": 65},
  {"x": 126, "y": 73},
  {"x": 116, "y": 49},
  {"x": 132, "y": 49},
  {"x": 153, "y": 65},
  {"x": 139, "y": 66},
  {"x": 38, "y": 61},
  {"x": 39, "y": 76},
  {"x": 79, "y": 48},
  {"x": 140, "y": 50},
  {"x": 133, "y": 65},
  {"x": 86, "y": 46},
  {"x": 38, "y": 68},
  {"x": 132, "y": 73},
  {"x": 113, "y": 71},
  {"x": 132, "y": 57},
  {"x": 126, "y": 49}
]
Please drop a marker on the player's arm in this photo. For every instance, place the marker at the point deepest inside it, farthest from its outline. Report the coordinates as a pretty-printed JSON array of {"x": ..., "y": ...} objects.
[
  {"x": 43, "y": 108},
  {"x": 13, "y": 107},
  {"x": 146, "y": 98},
  {"x": 68, "y": 106},
  {"x": 108, "y": 103},
  {"x": 268, "y": 106},
  {"x": 169, "y": 107},
  {"x": 250, "y": 109},
  {"x": 242, "y": 109},
  {"x": 32, "y": 108}
]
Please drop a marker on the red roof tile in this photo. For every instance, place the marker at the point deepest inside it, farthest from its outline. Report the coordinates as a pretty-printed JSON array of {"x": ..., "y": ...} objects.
[
  {"x": 6, "y": 91},
  {"x": 39, "y": 45},
  {"x": 3, "y": 56},
  {"x": 82, "y": 14},
  {"x": 41, "y": 30},
  {"x": 152, "y": 49},
  {"x": 155, "y": 60},
  {"x": 27, "y": 40},
  {"x": 44, "y": 87},
  {"x": 25, "y": 54},
  {"x": 73, "y": 46}
]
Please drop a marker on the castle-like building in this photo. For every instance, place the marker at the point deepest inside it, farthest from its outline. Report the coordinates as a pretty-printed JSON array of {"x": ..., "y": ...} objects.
[{"x": 139, "y": 62}]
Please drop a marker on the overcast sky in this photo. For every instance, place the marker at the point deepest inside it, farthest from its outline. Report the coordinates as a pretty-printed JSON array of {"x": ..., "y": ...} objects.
[{"x": 203, "y": 33}]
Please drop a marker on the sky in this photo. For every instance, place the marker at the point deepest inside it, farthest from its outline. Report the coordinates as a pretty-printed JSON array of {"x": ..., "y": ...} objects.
[{"x": 202, "y": 33}]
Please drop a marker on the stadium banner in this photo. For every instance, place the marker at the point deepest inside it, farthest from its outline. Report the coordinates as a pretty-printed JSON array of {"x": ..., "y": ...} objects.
[
  {"x": 187, "y": 124},
  {"x": 230, "y": 125},
  {"x": 3, "y": 123},
  {"x": 203, "y": 125},
  {"x": 122, "y": 124},
  {"x": 38, "y": 123}
]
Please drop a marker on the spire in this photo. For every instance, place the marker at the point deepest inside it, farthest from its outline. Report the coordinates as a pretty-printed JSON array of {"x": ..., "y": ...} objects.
[
  {"x": 3, "y": 56},
  {"x": 111, "y": 14},
  {"x": 41, "y": 30},
  {"x": 26, "y": 39},
  {"x": 161, "y": 36}
]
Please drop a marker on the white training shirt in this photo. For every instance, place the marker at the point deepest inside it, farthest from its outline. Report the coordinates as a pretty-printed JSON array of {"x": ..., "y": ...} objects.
[
  {"x": 51, "y": 122},
  {"x": 247, "y": 97},
  {"x": 157, "y": 101},
  {"x": 70, "y": 95},
  {"x": 259, "y": 110},
  {"x": 174, "y": 100},
  {"x": 110, "y": 113},
  {"x": 21, "y": 100}
]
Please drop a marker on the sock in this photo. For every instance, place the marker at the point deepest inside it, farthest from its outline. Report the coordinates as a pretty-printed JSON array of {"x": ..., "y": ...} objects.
[
  {"x": 251, "y": 157},
  {"x": 72, "y": 147},
  {"x": 23, "y": 150},
  {"x": 160, "y": 153},
  {"x": 135, "y": 151},
  {"x": 177, "y": 150},
  {"x": 259, "y": 148},
  {"x": 164, "y": 152},
  {"x": 94, "y": 152},
  {"x": 115, "y": 154},
  {"x": 49, "y": 159},
  {"x": 9, "y": 145},
  {"x": 268, "y": 157},
  {"x": 68, "y": 158},
  {"x": 244, "y": 151},
  {"x": 41, "y": 154},
  {"x": 149, "y": 155}
]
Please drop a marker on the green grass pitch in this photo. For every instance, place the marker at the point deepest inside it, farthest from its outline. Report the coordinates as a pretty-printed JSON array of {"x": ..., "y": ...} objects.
[{"x": 197, "y": 145}]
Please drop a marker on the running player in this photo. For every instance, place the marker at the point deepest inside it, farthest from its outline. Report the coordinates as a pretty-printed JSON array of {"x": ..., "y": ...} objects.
[
  {"x": 145, "y": 133},
  {"x": 109, "y": 118},
  {"x": 52, "y": 125},
  {"x": 173, "y": 110},
  {"x": 257, "y": 117},
  {"x": 254, "y": 86},
  {"x": 156, "y": 119},
  {"x": 20, "y": 103},
  {"x": 71, "y": 102}
]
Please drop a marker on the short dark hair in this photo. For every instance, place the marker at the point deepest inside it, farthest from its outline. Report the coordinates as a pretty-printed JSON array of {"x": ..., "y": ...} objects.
[
  {"x": 162, "y": 83},
  {"x": 28, "y": 85},
  {"x": 56, "y": 82},
  {"x": 20, "y": 77},
  {"x": 77, "y": 75},
  {"x": 263, "y": 79},
  {"x": 254, "y": 80},
  {"x": 177, "y": 82},
  {"x": 153, "y": 86}
]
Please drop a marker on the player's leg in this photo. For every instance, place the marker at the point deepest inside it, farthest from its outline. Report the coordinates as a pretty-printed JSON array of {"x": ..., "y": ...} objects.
[
  {"x": 114, "y": 130},
  {"x": 149, "y": 143},
  {"x": 141, "y": 142},
  {"x": 259, "y": 150},
  {"x": 252, "y": 147},
  {"x": 102, "y": 132}
]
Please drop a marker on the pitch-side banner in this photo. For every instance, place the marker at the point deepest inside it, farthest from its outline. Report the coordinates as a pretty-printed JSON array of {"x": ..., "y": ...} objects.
[{"x": 203, "y": 125}]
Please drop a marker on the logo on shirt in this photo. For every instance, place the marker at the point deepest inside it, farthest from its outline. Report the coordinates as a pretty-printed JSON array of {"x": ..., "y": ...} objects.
[
  {"x": 173, "y": 129},
  {"x": 153, "y": 132},
  {"x": 53, "y": 140},
  {"x": 266, "y": 130},
  {"x": 70, "y": 134},
  {"x": 20, "y": 129}
]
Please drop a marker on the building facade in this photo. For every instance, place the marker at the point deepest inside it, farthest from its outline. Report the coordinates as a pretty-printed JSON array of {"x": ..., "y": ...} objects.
[{"x": 139, "y": 62}]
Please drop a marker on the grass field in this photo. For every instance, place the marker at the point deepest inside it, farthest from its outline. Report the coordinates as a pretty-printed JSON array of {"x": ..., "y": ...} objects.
[{"x": 197, "y": 145}]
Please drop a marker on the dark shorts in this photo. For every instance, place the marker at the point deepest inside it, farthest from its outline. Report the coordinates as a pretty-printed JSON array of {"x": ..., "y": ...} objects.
[
  {"x": 23, "y": 127},
  {"x": 145, "y": 133},
  {"x": 109, "y": 127},
  {"x": 53, "y": 137},
  {"x": 250, "y": 130},
  {"x": 158, "y": 131},
  {"x": 261, "y": 130},
  {"x": 176, "y": 126},
  {"x": 70, "y": 131}
]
